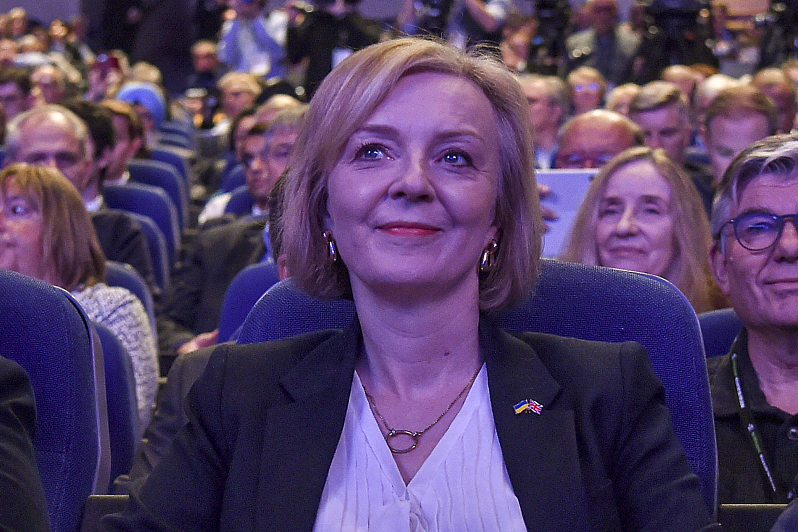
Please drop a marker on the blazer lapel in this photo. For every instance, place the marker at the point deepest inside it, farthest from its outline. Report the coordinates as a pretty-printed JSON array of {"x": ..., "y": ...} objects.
[
  {"x": 540, "y": 450},
  {"x": 302, "y": 435}
]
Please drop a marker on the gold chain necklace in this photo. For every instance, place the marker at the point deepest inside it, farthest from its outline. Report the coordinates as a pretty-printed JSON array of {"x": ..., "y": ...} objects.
[{"x": 414, "y": 435}]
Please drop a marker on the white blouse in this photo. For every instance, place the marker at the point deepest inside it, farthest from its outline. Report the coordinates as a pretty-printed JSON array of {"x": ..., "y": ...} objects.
[{"x": 463, "y": 485}]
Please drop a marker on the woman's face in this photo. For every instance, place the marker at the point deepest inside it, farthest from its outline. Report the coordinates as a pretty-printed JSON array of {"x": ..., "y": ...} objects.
[
  {"x": 20, "y": 234},
  {"x": 635, "y": 229},
  {"x": 412, "y": 199}
]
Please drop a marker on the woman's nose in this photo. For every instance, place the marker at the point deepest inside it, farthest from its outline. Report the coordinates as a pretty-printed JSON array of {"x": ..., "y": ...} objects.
[
  {"x": 627, "y": 224},
  {"x": 413, "y": 182}
]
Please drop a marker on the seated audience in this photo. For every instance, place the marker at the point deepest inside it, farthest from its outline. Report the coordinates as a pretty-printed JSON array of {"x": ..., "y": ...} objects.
[
  {"x": 50, "y": 236},
  {"x": 265, "y": 154},
  {"x": 49, "y": 83},
  {"x": 737, "y": 117},
  {"x": 191, "y": 314},
  {"x": 587, "y": 89},
  {"x": 24, "y": 506},
  {"x": 662, "y": 111},
  {"x": 755, "y": 262},
  {"x": 642, "y": 213},
  {"x": 591, "y": 139},
  {"x": 16, "y": 88},
  {"x": 548, "y": 101},
  {"x": 780, "y": 88},
  {"x": 149, "y": 102},
  {"x": 416, "y": 400},
  {"x": 129, "y": 137},
  {"x": 54, "y": 136},
  {"x": 620, "y": 97},
  {"x": 170, "y": 416}
]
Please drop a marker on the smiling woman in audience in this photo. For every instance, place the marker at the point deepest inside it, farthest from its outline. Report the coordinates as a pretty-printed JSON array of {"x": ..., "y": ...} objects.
[
  {"x": 45, "y": 232},
  {"x": 643, "y": 213},
  {"x": 411, "y": 190}
]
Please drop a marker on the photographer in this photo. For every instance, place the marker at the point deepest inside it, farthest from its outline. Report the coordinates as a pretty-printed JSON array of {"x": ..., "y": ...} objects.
[
  {"x": 674, "y": 38},
  {"x": 247, "y": 46},
  {"x": 325, "y": 34},
  {"x": 462, "y": 22}
]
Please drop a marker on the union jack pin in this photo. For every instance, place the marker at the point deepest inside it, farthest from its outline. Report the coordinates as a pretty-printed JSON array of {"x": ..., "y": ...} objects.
[{"x": 528, "y": 405}]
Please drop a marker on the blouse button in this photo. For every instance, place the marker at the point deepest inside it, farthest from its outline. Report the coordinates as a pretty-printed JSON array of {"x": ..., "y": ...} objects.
[{"x": 792, "y": 434}]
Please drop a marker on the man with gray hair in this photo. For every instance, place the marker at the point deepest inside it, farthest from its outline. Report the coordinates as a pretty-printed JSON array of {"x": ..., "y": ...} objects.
[
  {"x": 754, "y": 387},
  {"x": 52, "y": 135},
  {"x": 548, "y": 108}
]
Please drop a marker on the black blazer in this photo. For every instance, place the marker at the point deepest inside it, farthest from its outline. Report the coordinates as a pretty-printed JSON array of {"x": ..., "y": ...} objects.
[
  {"x": 265, "y": 419},
  {"x": 23, "y": 507},
  {"x": 202, "y": 278}
]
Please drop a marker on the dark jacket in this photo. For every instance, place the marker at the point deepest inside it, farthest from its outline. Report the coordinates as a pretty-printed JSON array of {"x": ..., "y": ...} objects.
[
  {"x": 265, "y": 420},
  {"x": 741, "y": 479},
  {"x": 23, "y": 507},
  {"x": 202, "y": 277}
]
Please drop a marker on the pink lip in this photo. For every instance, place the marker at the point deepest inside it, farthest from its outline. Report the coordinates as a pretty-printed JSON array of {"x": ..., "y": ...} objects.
[
  {"x": 625, "y": 250},
  {"x": 408, "y": 229}
]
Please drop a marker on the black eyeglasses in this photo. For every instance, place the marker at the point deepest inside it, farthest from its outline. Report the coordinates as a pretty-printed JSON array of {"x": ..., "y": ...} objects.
[{"x": 757, "y": 231}]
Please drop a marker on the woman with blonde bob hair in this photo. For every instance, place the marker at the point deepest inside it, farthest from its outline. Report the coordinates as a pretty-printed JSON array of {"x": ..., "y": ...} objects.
[
  {"x": 45, "y": 232},
  {"x": 411, "y": 190},
  {"x": 643, "y": 213}
]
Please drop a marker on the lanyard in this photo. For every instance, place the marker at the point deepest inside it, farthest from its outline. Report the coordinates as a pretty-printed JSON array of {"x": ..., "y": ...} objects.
[{"x": 747, "y": 420}]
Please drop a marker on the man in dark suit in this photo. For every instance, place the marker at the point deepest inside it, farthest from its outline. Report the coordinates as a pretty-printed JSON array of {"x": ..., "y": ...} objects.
[
  {"x": 24, "y": 506},
  {"x": 603, "y": 46},
  {"x": 191, "y": 312},
  {"x": 54, "y": 136}
]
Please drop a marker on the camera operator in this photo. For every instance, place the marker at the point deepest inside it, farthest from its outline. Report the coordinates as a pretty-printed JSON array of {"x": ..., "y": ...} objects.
[
  {"x": 464, "y": 23},
  {"x": 325, "y": 33},
  {"x": 674, "y": 37}
]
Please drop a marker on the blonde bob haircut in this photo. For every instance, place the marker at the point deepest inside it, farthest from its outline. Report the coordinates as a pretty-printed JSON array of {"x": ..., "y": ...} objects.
[
  {"x": 345, "y": 100},
  {"x": 690, "y": 270},
  {"x": 71, "y": 250}
]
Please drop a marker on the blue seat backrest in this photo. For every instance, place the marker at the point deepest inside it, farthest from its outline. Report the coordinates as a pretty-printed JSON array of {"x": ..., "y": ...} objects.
[
  {"x": 120, "y": 386},
  {"x": 177, "y": 157},
  {"x": 235, "y": 178},
  {"x": 719, "y": 329},
  {"x": 241, "y": 202},
  {"x": 45, "y": 330},
  {"x": 244, "y": 291},
  {"x": 152, "y": 202},
  {"x": 124, "y": 275},
  {"x": 156, "y": 243},
  {"x": 165, "y": 176},
  {"x": 587, "y": 302}
]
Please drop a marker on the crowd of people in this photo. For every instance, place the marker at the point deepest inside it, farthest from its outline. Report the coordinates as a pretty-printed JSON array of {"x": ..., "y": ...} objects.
[{"x": 370, "y": 162}]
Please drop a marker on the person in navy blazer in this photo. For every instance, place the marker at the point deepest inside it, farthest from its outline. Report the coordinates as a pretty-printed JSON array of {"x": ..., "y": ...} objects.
[{"x": 412, "y": 191}]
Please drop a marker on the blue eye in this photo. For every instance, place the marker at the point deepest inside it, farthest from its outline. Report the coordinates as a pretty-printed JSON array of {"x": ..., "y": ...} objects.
[
  {"x": 370, "y": 152},
  {"x": 457, "y": 158}
]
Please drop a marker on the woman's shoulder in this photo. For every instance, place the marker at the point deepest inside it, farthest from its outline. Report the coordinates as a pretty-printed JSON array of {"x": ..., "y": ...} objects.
[{"x": 103, "y": 296}]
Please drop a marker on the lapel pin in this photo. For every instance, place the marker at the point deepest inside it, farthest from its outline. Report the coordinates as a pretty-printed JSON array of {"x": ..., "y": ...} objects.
[{"x": 528, "y": 406}]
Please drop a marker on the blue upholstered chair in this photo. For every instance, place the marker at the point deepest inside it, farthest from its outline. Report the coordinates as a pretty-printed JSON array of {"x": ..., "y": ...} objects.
[
  {"x": 233, "y": 179},
  {"x": 124, "y": 275},
  {"x": 165, "y": 176},
  {"x": 44, "y": 330},
  {"x": 156, "y": 243},
  {"x": 586, "y": 302},
  {"x": 178, "y": 158},
  {"x": 244, "y": 291},
  {"x": 148, "y": 201},
  {"x": 241, "y": 202},
  {"x": 120, "y": 386},
  {"x": 719, "y": 329}
]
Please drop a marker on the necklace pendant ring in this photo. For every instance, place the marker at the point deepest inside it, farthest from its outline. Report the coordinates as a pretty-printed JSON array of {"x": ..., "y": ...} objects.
[{"x": 395, "y": 434}]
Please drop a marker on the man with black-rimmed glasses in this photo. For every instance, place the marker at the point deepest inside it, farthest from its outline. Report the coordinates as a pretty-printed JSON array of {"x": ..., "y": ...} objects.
[{"x": 755, "y": 262}]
